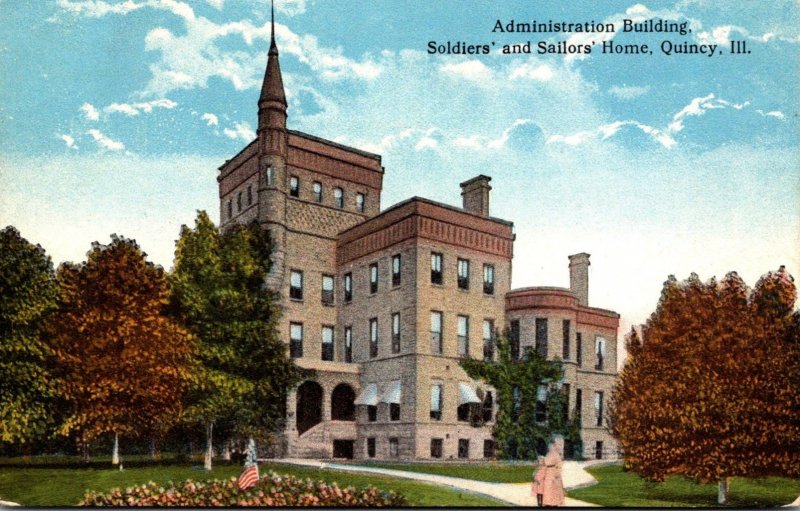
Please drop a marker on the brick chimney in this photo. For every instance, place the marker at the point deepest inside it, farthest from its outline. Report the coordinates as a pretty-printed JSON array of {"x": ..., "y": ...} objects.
[
  {"x": 579, "y": 277},
  {"x": 475, "y": 195}
]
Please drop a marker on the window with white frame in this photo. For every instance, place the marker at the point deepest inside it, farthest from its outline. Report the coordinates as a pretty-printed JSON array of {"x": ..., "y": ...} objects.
[
  {"x": 327, "y": 343},
  {"x": 463, "y": 274},
  {"x": 463, "y": 336},
  {"x": 296, "y": 285},
  {"x": 436, "y": 401}
]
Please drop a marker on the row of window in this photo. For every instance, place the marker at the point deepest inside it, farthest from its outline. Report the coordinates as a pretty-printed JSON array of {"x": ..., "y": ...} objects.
[
  {"x": 319, "y": 193},
  {"x": 240, "y": 201},
  {"x": 541, "y": 404},
  {"x": 541, "y": 339},
  {"x": 465, "y": 412},
  {"x": 328, "y": 281},
  {"x": 437, "y": 447}
]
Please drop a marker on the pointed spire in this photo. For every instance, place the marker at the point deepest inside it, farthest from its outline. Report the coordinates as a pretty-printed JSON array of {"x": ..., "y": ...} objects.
[{"x": 272, "y": 88}]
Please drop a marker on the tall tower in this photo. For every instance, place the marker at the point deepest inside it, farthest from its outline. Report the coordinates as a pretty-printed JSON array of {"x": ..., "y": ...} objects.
[{"x": 272, "y": 157}]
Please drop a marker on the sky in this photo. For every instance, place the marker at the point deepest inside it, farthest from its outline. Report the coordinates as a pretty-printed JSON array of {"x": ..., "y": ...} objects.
[{"x": 115, "y": 115}]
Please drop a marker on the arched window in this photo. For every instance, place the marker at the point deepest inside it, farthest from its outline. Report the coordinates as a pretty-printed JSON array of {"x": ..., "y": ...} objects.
[
  {"x": 309, "y": 406},
  {"x": 342, "y": 403}
]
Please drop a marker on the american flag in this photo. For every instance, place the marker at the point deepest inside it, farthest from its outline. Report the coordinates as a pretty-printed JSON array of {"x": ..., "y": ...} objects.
[{"x": 249, "y": 477}]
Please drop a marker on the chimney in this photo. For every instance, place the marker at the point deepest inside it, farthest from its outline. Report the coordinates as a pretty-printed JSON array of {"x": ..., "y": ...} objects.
[
  {"x": 579, "y": 277},
  {"x": 475, "y": 195}
]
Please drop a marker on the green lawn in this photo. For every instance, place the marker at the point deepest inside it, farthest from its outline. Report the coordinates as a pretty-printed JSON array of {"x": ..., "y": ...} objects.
[
  {"x": 491, "y": 472},
  {"x": 58, "y": 482},
  {"x": 626, "y": 489}
]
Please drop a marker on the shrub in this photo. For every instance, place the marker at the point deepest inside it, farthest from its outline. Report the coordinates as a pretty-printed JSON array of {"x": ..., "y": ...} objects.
[{"x": 272, "y": 490}]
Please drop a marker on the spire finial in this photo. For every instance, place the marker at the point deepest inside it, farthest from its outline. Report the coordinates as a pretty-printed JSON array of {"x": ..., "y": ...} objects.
[{"x": 273, "y": 20}]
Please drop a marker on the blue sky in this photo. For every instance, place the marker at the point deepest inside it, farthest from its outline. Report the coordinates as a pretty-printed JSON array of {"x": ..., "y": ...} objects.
[{"x": 114, "y": 116}]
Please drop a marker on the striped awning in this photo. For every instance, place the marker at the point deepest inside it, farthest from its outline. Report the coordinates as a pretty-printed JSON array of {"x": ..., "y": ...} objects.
[
  {"x": 368, "y": 396},
  {"x": 466, "y": 394},
  {"x": 393, "y": 393}
]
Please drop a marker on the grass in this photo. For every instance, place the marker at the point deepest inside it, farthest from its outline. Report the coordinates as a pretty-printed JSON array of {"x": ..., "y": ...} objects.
[
  {"x": 491, "y": 472},
  {"x": 62, "y": 481},
  {"x": 625, "y": 489}
]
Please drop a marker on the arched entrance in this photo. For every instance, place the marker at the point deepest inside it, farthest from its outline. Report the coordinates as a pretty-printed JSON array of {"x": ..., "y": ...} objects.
[
  {"x": 342, "y": 403},
  {"x": 309, "y": 406}
]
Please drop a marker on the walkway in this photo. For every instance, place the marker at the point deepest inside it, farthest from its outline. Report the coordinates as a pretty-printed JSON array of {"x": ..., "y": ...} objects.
[{"x": 518, "y": 494}]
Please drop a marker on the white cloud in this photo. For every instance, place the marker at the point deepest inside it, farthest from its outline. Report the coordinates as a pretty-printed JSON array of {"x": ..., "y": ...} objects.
[
  {"x": 68, "y": 140},
  {"x": 628, "y": 91},
  {"x": 134, "y": 109},
  {"x": 211, "y": 119},
  {"x": 291, "y": 7},
  {"x": 607, "y": 131},
  {"x": 99, "y": 8},
  {"x": 775, "y": 113},
  {"x": 104, "y": 141},
  {"x": 474, "y": 70},
  {"x": 90, "y": 112},
  {"x": 241, "y": 130},
  {"x": 217, "y": 4},
  {"x": 722, "y": 35},
  {"x": 534, "y": 71}
]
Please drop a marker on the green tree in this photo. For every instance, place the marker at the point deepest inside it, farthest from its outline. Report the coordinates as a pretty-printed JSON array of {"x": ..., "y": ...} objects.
[
  {"x": 27, "y": 298},
  {"x": 124, "y": 364},
  {"x": 520, "y": 429},
  {"x": 713, "y": 392},
  {"x": 220, "y": 294}
]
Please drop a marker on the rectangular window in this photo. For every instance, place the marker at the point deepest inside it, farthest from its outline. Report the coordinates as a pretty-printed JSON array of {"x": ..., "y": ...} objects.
[
  {"x": 373, "y": 337},
  {"x": 338, "y": 197},
  {"x": 598, "y": 450},
  {"x": 396, "y": 332},
  {"x": 239, "y": 202},
  {"x": 348, "y": 287},
  {"x": 463, "y": 336},
  {"x": 230, "y": 210},
  {"x": 463, "y": 274},
  {"x": 296, "y": 285},
  {"x": 436, "y": 447},
  {"x": 371, "y": 447},
  {"x": 516, "y": 403},
  {"x": 294, "y": 186},
  {"x": 565, "y": 329},
  {"x": 394, "y": 448},
  {"x": 541, "y": 336},
  {"x": 317, "y": 191},
  {"x": 327, "y": 343},
  {"x": 327, "y": 289},
  {"x": 488, "y": 448},
  {"x": 360, "y": 202},
  {"x": 269, "y": 175},
  {"x": 372, "y": 413},
  {"x": 488, "y": 406},
  {"x": 579, "y": 405},
  {"x": 296, "y": 340},
  {"x": 565, "y": 396},
  {"x": 396, "y": 260},
  {"x": 488, "y": 279},
  {"x": 249, "y": 195},
  {"x": 514, "y": 339},
  {"x": 373, "y": 278},
  {"x": 488, "y": 340},
  {"x": 541, "y": 404},
  {"x": 436, "y": 332},
  {"x": 598, "y": 408},
  {"x": 436, "y": 268},
  {"x": 463, "y": 448},
  {"x": 600, "y": 350},
  {"x": 579, "y": 348},
  {"x": 436, "y": 401},
  {"x": 348, "y": 344},
  {"x": 394, "y": 411},
  {"x": 463, "y": 412}
]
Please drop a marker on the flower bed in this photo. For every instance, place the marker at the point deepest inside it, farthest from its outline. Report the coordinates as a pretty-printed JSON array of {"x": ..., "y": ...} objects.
[{"x": 270, "y": 491}]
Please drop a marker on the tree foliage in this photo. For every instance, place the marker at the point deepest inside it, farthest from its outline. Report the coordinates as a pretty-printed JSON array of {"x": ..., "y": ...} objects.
[
  {"x": 27, "y": 298},
  {"x": 713, "y": 391},
  {"x": 124, "y": 363},
  {"x": 518, "y": 433},
  {"x": 219, "y": 293}
]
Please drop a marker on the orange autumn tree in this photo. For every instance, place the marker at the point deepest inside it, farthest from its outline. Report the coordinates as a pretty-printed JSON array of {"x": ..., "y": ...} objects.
[
  {"x": 712, "y": 391},
  {"x": 125, "y": 365}
]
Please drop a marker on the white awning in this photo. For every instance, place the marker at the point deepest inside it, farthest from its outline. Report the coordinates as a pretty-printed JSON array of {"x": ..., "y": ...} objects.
[
  {"x": 368, "y": 396},
  {"x": 466, "y": 394},
  {"x": 393, "y": 393}
]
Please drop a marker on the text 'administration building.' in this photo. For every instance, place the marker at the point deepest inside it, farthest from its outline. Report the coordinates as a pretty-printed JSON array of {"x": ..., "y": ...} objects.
[{"x": 382, "y": 305}]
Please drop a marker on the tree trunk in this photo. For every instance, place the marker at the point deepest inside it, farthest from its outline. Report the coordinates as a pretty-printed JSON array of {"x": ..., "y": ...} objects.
[
  {"x": 722, "y": 491},
  {"x": 209, "y": 446},
  {"x": 115, "y": 452},
  {"x": 155, "y": 452},
  {"x": 226, "y": 450}
]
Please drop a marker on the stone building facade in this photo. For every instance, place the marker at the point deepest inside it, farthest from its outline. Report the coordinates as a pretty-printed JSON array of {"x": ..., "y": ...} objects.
[{"x": 381, "y": 305}]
